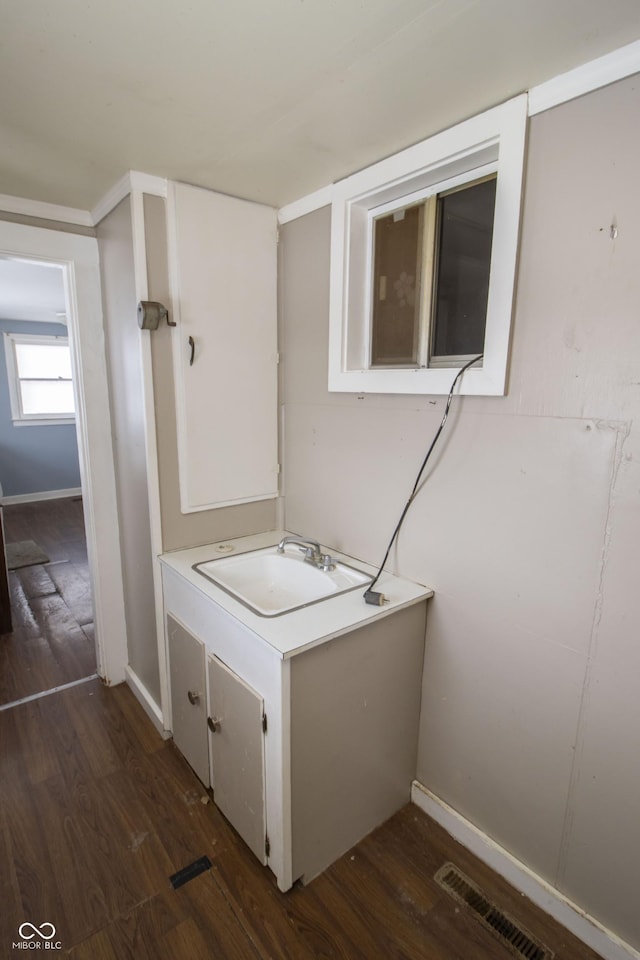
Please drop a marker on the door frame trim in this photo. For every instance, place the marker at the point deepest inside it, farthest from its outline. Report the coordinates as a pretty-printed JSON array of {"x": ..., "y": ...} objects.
[{"x": 78, "y": 255}]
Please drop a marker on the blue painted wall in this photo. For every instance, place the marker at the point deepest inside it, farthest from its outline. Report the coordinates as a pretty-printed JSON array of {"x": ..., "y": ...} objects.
[{"x": 34, "y": 459}]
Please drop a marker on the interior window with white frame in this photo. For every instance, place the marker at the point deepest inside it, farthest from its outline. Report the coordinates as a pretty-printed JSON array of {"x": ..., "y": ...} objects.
[
  {"x": 423, "y": 257},
  {"x": 40, "y": 379},
  {"x": 430, "y": 277}
]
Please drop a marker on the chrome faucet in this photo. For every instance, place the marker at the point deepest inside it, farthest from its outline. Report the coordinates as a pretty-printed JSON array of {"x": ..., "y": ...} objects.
[{"x": 312, "y": 551}]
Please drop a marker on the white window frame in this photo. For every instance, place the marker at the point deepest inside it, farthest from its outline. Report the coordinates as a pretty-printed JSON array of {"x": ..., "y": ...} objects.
[
  {"x": 492, "y": 142},
  {"x": 21, "y": 419}
]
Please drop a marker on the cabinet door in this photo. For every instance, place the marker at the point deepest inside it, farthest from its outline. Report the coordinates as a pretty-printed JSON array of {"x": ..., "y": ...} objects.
[
  {"x": 188, "y": 697},
  {"x": 223, "y": 270},
  {"x": 237, "y": 754}
]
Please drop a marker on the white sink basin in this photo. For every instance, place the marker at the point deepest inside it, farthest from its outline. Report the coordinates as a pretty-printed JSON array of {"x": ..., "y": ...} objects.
[{"x": 272, "y": 583}]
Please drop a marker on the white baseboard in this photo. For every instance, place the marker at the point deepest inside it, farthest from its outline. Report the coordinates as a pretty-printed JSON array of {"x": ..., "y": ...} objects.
[
  {"x": 567, "y": 913},
  {"x": 44, "y": 495},
  {"x": 146, "y": 701}
]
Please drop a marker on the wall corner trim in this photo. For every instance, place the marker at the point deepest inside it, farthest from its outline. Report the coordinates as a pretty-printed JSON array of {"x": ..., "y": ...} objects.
[
  {"x": 522, "y": 878},
  {"x": 131, "y": 182},
  {"x": 146, "y": 701},
  {"x": 613, "y": 66},
  {"x": 148, "y": 183},
  {"x": 45, "y": 211},
  {"x": 313, "y": 201}
]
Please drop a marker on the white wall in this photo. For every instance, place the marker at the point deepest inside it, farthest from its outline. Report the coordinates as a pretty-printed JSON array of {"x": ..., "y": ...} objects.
[
  {"x": 528, "y": 524},
  {"x": 115, "y": 241}
]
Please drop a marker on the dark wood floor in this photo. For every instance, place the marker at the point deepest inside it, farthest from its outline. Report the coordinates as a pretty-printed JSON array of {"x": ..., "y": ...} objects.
[
  {"x": 97, "y": 811},
  {"x": 53, "y": 639}
]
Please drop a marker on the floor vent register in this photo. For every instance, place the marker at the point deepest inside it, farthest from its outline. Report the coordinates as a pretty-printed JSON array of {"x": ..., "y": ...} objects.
[{"x": 505, "y": 928}]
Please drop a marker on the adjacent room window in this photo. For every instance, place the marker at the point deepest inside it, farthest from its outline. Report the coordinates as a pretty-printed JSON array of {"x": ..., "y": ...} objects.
[
  {"x": 423, "y": 257},
  {"x": 40, "y": 384}
]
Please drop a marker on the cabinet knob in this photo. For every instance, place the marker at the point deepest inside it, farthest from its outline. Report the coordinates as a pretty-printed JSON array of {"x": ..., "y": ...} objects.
[
  {"x": 214, "y": 724},
  {"x": 194, "y": 697}
]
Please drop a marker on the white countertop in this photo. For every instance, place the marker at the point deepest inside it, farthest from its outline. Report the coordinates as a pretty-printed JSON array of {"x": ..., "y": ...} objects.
[{"x": 291, "y": 633}]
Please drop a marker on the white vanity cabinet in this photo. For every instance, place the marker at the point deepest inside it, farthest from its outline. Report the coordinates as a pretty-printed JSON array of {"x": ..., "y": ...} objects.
[
  {"x": 315, "y": 725},
  {"x": 222, "y": 260}
]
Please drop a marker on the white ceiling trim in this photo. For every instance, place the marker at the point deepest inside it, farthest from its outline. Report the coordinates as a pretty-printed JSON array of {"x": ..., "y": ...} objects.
[
  {"x": 45, "y": 211},
  {"x": 591, "y": 76},
  {"x": 622, "y": 63},
  {"x": 313, "y": 201},
  {"x": 131, "y": 182}
]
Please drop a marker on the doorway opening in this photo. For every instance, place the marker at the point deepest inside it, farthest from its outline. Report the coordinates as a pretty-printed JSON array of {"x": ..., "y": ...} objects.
[
  {"x": 52, "y": 641},
  {"x": 78, "y": 257}
]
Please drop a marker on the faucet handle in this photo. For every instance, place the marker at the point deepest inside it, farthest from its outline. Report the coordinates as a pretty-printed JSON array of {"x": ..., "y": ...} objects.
[{"x": 310, "y": 553}]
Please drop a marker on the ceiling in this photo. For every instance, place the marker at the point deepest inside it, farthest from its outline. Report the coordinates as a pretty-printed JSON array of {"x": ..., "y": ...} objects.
[
  {"x": 265, "y": 99},
  {"x": 31, "y": 291}
]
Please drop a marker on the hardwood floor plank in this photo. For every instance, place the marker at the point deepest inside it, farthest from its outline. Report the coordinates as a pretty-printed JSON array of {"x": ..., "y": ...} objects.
[
  {"x": 145, "y": 854},
  {"x": 411, "y": 875},
  {"x": 15, "y": 526},
  {"x": 91, "y": 847},
  {"x": 68, "y": 643},
  {"x": 48, "y": 645},
  {"x": 40, "y": 761},
  {"x": 27, "y": 668},
  {"x": 136, "y": 720},
  {"x": 100, "y": 746},
  {"x": 36, "y": 581},
  {"x": 74, "y": 586},
  {"x": 268, "y": 916},
  {"x": 83, "y": 898},
  {"x": 185, "y": 828},
  {"x": 39, "y": 898},
  {"x": 9, "y": 891},
  {"x": 187, "y": 941},
  {"x": 146, "y": 926},
  {"x": 76, "y": 549},
  {"x": 105, "y": 835},
  {"x": 212, "y": 926},
  {"x": 24, "y": 622},
  {"x": 97, "y": 947},
  {"x": 139, "y": 934},
  {"x": 341, "y": 938},
  {"x": 408, "y": 928}
]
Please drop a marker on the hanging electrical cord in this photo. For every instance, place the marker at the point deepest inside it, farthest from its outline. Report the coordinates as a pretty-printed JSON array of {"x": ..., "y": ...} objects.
[{"x": 373, "y": 596}]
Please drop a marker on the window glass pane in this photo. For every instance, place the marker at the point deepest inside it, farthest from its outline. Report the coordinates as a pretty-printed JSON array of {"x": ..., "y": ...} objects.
[
  {"x": 49, "y": 397},
  {"x": 396, "y": 287},
  {"x": 464, "y": 257},
  {"x": 45, "y": 361}
]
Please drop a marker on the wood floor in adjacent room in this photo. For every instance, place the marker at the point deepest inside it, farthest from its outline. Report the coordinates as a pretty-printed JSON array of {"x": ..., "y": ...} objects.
[
  {"x": 53, "y": 640},
  {"x": 97, "y": 812}
]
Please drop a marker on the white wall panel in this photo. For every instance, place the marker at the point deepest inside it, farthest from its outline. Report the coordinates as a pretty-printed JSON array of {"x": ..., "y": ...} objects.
[{"x": 529, "y": 524}]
